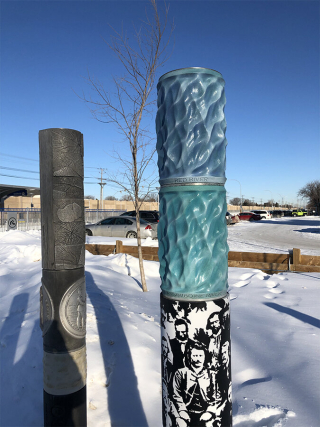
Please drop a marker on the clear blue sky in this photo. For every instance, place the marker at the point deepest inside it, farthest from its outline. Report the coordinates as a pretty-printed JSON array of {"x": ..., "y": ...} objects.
[{"x": 267, "y": 52}]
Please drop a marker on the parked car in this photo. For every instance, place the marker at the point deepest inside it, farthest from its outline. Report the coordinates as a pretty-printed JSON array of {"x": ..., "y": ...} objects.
[
  {"x": 121, "y": 226},
  {"x": 263, "y": 214},
  {"x": 249, "y": 216},
  {"x": 312, "y": 212},
  {"x": 149, "y": 216},
  {"x": 228, "y": 218},
  {"x": 277, "y": 213},
  {"x": 287, "y": 213},
  {"x": 299, "y": 212},
  {"x": 235, "y": 219}
]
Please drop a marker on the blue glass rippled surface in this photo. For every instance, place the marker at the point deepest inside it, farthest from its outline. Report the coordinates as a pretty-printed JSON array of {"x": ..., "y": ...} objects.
[
  {"x": 190, "y": 124},
  {"x": 193, "y": 250}
]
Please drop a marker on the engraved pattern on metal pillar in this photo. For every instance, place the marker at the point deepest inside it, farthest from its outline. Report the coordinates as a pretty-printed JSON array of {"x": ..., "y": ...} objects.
[
  {"x": 73, "y": 309},
  {"x": 68, "y": 215},
  {"x": 46, "y": 310}
]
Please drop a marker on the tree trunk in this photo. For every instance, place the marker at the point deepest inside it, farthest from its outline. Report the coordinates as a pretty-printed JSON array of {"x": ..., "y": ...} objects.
[
  {"x": 136, "y": 205},
  {"x": 141, "y": 267}
]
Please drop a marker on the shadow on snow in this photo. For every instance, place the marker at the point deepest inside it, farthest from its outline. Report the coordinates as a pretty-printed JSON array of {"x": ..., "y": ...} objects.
[
  {"x": 294, "y": 313},
  {"x": 124, "y": 402}
]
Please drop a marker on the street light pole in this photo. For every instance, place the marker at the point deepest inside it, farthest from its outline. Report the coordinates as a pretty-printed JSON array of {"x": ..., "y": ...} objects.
[{"x": 281, "y": 199}]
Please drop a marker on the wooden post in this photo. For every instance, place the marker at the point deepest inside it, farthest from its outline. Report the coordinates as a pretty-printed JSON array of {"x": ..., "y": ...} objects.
[
  {"x": 118, "y": 246},
  {"x": 296, "y": 256},
  {"x": 63, "y": 290}
]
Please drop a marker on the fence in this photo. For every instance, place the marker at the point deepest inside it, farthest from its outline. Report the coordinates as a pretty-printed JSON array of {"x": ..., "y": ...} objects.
[
  {"x": 94, "y": 215},
  {"x": 27, "y": 219},
  {"x": 30, "y": 218},
  {"x": 270, "y": 263}
]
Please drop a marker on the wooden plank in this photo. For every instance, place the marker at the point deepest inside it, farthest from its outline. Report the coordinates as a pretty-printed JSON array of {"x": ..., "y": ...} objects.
[
  {"x": 310, "y": 260},
  {"x": 259, "y": 257},
  {"x": 130, "y": 249},
  {"x": 150, "y": 250},
  {"x": 305, "y": 268},
  {"x": 96, "y": 249},
  {"x": 134, "y": 249},
  {"x": 149, "y": 257},
  {"x": 259, "y": 265}
]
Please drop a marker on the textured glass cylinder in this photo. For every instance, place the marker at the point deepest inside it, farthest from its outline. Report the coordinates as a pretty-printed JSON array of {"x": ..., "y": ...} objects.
[
  {"x": 190, "y": 126},
  {"x": 193, "y": 250},
  {"x": 191, "y": 147}
]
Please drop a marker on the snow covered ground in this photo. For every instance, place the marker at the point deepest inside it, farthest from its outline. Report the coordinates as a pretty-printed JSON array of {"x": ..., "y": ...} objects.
[
  {"x": 276, "y": 235},
  {"x": 274, "y": 329}
]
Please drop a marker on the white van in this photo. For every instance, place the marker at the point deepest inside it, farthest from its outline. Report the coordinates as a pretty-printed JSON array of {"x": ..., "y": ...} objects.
[{"x": 263, "y": 214}]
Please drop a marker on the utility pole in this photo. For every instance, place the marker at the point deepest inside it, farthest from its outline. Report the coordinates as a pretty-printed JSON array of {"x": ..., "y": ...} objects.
[{"x": 102, "y": 184}]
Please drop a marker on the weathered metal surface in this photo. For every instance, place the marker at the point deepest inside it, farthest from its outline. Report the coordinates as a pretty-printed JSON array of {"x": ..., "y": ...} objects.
[
  {"x": 63, "y": 290},
  {"x": 62, "y": 203}
]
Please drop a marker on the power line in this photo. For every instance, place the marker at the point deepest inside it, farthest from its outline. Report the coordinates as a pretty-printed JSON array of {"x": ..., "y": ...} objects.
[
  {"x": 37, "y": 160},
  {"x": 18, "y": 157},
  {"x": 22, "y": 177},
  {"x": 18, "y": 170},
  {"x": 25, "y": 170}
]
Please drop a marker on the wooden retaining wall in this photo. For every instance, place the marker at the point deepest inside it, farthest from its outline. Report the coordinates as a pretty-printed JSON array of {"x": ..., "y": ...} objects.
[{"x": 271, "y": 263}]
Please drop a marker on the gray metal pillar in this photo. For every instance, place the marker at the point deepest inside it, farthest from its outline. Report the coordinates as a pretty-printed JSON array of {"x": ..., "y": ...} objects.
[
  {"x": 63, "y": 290},
  {"x": 193, "y": 250}
]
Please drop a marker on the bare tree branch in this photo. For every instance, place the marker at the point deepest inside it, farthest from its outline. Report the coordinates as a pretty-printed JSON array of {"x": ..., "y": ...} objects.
[{"x": 132, "y": 101}]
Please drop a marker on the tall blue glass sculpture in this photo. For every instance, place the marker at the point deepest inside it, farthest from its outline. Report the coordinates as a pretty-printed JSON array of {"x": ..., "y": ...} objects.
[{"x": 193, "y": 250}]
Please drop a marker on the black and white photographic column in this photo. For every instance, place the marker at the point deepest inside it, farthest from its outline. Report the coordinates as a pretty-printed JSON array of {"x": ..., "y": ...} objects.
[{"x": 63, "y": 290}]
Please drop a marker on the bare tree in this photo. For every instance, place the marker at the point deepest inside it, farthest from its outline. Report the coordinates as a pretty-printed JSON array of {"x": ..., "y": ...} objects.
[
  {"x": 268, "y": 203},
  {"x": 311, "y": 191},
  {"x": 110, "y": 198},
  {"x": 150, "y": 197},
  {"x": 89, "y": 197},
  {"x": 235, "y": 201},
  {"x": 132, "y": 102},
  {"x": 247, "y": 202}
]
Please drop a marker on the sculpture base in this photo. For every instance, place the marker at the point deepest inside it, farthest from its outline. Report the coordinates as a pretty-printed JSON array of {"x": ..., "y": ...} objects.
[
  {"x": 196, "y": 363},
  {"x": 67, "y": 410}
]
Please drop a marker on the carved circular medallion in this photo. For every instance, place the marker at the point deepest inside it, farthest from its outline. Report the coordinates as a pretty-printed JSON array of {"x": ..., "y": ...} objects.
[
  {"x": 73, "y": 309},
  {"x": 46, "y": 310}
]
